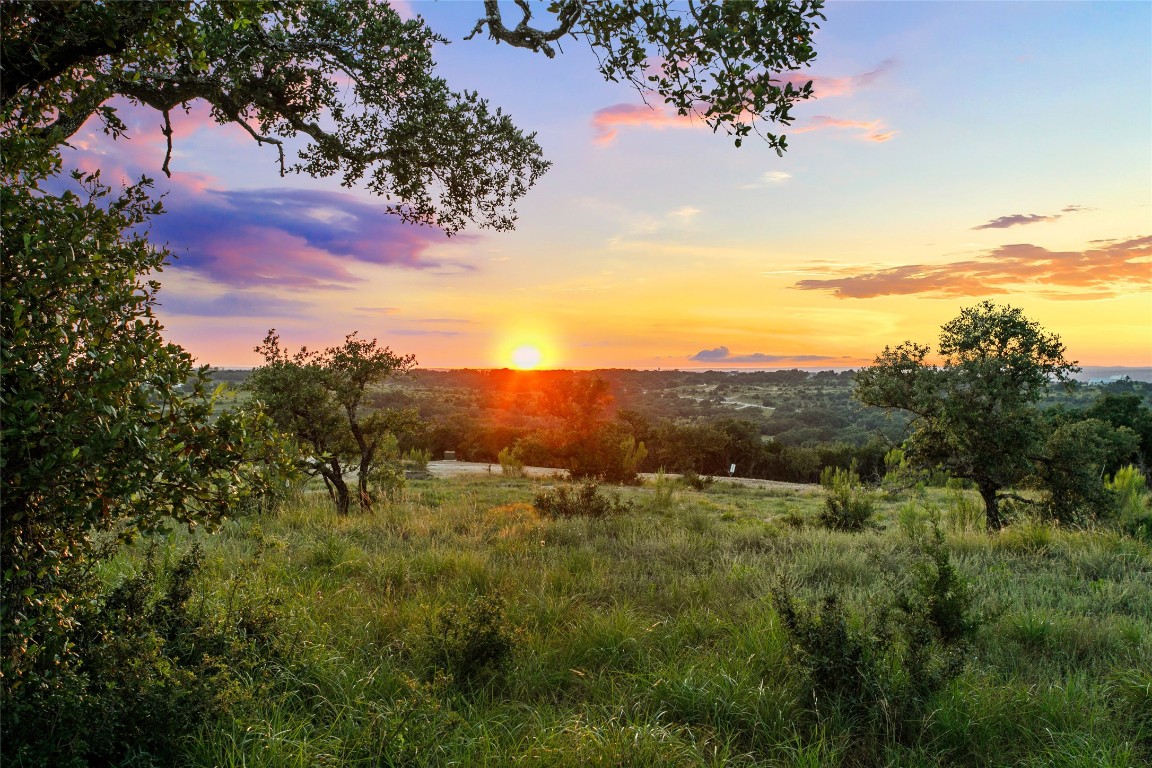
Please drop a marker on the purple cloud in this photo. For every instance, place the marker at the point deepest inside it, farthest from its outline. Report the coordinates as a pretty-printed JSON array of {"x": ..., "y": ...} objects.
[
  {"x": 724, "y": 355},
  {"x": 1016, "y": 219},
  {"x": 295, "y": 238},
  {"x": 231, "y": 304}
]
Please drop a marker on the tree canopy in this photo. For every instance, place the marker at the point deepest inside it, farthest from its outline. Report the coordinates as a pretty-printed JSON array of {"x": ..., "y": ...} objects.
[
  {"x": 358, "y": 82},
  {"x": 317, "y": 397},
  {"x": 975, "y": 409}
]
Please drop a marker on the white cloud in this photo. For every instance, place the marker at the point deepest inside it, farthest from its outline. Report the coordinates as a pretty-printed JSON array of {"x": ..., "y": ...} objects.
[{"x": 769, "y": 179}]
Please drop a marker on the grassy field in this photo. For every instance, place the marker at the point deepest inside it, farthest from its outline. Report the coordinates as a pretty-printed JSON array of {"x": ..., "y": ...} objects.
[{"x": 459, "y": 626}]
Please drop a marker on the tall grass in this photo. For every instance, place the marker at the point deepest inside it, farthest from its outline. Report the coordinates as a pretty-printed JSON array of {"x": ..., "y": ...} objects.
[{"x": 460, "y": 625}]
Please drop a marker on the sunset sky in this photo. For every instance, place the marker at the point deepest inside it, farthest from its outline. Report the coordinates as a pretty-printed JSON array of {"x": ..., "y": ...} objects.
[{"x": 958, "y": 151}]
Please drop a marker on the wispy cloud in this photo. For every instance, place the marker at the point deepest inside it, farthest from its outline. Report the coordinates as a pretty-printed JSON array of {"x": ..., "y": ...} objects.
[
  {"x": 768, "y": 179},
  {"x": 1092, "y": 273},
  {"x": 230, "y": 304},
  {"x": 724, "y": 355},
  {"x": 869, "y": 130},
  {"x": 378, "y": 310},
  {"x": 824, "y": 87},
  {"x": 1016, "y": 219},
  {"x": 685, "y": 214},
  {"x": 608, "y": 120}
]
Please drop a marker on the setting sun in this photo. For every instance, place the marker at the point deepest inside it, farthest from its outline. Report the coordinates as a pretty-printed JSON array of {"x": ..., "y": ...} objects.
[{"x": 526, "y": 356}]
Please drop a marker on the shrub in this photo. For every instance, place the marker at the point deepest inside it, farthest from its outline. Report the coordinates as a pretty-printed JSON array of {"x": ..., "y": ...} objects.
[
  {"x": 511, "y": 462},
  {"x": 472, "y": 644},
  {"x": 1129, "y": 488},
  {"x": 848, "y": 505},
  {"x": 152, "y": 666},
  {"x": 941, "y": 597},
  {"x": 693, "y": 480},
  {"x": 663, "y": 497},
  {"x": 416, "y": 460},
  {"x": 882, "y": 671},
  {"x": 583, "y": 500}
]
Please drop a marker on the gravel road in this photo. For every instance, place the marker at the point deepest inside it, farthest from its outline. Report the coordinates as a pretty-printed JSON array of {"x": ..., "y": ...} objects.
[{"x": 456, "y": 468}]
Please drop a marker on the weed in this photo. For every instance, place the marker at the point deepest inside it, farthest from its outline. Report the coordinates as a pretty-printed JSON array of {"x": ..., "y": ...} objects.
[{"x": 663, "y": 498}]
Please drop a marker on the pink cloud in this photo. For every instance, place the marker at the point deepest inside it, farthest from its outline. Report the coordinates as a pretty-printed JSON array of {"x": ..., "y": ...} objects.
[
  {"x": 870, "y": 130},
  {"x": 824, "y": 87},
  {"x": 1075, "y": 275},
  {"x": 606, "y": 121}
]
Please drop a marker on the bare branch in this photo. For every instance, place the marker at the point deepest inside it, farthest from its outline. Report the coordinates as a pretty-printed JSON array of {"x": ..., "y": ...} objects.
[
  {"x": 166, "y": 129},
  {"x": 524, "y": 35}
]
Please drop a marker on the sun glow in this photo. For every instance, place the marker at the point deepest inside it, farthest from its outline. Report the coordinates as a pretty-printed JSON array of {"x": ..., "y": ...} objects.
[{"x": 527, "y": 357}]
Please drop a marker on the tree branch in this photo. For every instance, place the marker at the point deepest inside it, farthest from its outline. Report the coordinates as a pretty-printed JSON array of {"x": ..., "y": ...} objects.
[{"x": 524, "y": 35}]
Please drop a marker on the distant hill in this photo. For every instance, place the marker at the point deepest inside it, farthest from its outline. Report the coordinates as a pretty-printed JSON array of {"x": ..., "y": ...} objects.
[{"x": 1113, "y": 373}]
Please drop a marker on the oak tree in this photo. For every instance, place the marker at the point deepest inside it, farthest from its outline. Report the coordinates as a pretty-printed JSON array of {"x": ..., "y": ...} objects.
[
  {"x": 318, "y": 397},
  {"x": 975, "y": 409}
]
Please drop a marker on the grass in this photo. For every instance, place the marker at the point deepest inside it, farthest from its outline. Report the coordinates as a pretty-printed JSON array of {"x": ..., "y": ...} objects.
[{"x": 648, "y": 638}]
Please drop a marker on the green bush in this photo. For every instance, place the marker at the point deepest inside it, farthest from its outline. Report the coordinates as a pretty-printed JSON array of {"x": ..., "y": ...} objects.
[
  {"x": 511, "y": 462},
  {"x": 583, "y": 500},
  {"x": 152, "y": 666},
  {"x": 472, "y": 644},
  {"x": 416, "y": 460},
  {"x": 693, "y": 480},
  {"x": 1129, "y": 488},
  {"x": 848, "y": 505}
]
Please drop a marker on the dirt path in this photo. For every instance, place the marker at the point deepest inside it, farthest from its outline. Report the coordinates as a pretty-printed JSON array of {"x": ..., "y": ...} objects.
[{"x": 456, "y": 468}]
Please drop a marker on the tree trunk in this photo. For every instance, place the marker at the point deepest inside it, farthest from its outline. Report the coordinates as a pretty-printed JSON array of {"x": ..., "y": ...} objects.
[
  {"x": 991, "y": 507},
  {"x": 337, "y": 488},
  {"x": 362, "y": 485}
]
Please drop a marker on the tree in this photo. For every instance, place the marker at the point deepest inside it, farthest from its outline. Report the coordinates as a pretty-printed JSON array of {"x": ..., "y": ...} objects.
[
  {"x": 282, "y": 68},
  {"x": 975, "y": 411},
  {"x": 318, "y": 398},
  {"x": 99, "y": 436},
  {"x": 1126, "y": 410}
]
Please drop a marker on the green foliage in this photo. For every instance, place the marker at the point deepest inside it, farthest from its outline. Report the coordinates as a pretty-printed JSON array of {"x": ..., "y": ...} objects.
[
  {"x": 1072, "y": 470},
  {"x": 720, "y": 61},
  {"x": 416, "y": 460},
  {"x": 1126, "y": 410},
  {"x": 1129, "y": 489},
  {"x": 583, "y": 500},
  {"x": 511, "y": 462},
  {"x": 99, "y": 433},
  {"x": 942, "y": 595},
  {"x": 883, "y": 671},
  {"x": 317, "y": 397},
  {"x": 351, "y": 76},
  {"x": 975, "y": 412},
  {"x": 848, "y": 505},
  {"x": 150, "y": 663},
  {"x": 473, "y": 644}
]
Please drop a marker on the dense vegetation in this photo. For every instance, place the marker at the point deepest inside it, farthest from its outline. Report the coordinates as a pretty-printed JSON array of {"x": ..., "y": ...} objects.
[
  {"x": 779, "y": 425},
  {"x": 457, "y": 624}
]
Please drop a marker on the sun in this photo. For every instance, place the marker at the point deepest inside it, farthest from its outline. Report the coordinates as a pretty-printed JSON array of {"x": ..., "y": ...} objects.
[{"x": 527, "y": 357}]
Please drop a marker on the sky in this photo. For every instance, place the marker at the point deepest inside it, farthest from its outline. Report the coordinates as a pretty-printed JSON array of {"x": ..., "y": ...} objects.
[{"x": 957, "y": 151}]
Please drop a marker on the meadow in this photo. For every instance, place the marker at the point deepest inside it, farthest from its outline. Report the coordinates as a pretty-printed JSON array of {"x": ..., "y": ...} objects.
[{"x": 458, "y": 625}]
